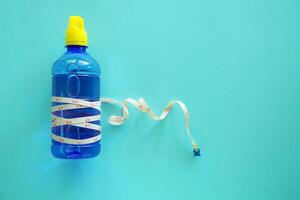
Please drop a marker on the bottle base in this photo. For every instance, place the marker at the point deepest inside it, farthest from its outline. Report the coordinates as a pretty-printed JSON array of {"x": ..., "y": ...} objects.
[{"x": 65, "y": 151}]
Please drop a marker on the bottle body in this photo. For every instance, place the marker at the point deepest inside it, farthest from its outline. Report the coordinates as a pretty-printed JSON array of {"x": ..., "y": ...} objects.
[{"x": 76, "y": 75}]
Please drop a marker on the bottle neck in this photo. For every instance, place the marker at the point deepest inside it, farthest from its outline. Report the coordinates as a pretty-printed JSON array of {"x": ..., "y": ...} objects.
[{"x": 76, "y": 49}]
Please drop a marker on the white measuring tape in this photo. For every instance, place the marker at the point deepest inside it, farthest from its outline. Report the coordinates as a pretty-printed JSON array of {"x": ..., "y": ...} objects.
[{"x": 84, "y": 122}]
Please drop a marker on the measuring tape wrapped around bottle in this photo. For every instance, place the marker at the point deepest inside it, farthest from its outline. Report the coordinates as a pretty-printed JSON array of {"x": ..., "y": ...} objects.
[{"x": 86, "y": 122}]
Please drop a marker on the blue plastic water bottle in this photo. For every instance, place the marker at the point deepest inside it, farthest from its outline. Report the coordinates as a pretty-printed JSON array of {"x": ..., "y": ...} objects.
[{"x": 75, "y": 76}]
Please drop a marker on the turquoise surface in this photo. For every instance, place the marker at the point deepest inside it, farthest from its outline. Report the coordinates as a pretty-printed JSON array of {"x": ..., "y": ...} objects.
[{"x": 236, "y": 65}]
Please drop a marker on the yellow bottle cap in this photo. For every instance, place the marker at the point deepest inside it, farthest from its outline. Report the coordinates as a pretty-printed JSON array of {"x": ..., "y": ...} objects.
[{"x": 76, "y": 34}]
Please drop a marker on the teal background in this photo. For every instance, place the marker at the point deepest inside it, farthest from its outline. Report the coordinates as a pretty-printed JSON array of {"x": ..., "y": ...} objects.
[{"x": 234, "y": 63}]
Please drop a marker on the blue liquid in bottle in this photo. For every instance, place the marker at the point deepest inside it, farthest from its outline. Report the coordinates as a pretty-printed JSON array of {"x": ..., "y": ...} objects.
[{"x": 76, "y": 75}]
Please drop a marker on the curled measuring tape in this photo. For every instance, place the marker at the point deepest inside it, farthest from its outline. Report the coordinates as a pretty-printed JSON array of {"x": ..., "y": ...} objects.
[
  {"x": 143, "y": 107},
  {"x": 140, "y": 104}
]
